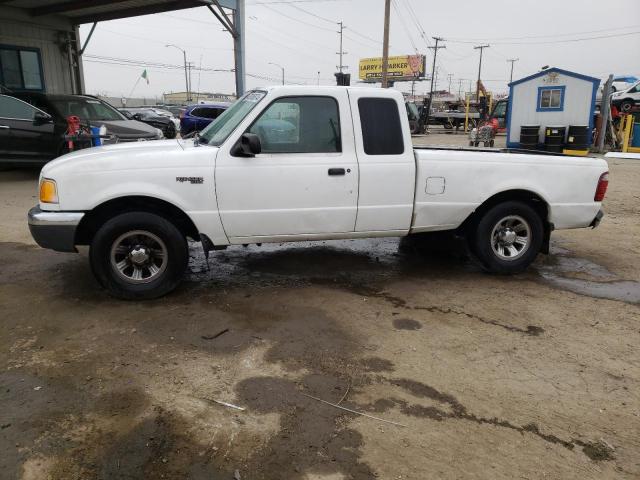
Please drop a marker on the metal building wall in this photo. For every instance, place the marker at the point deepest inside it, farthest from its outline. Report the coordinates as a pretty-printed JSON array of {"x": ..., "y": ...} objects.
[
  {"x": 49, "y": 34},
  {"x": 578, "y": 105}
]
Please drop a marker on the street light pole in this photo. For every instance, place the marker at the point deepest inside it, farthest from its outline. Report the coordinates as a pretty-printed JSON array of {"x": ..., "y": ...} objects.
[
  {"x": 186, "y": 75},
  {"x": 512, "y": 60},
  {"x": 281, "y": 68}
]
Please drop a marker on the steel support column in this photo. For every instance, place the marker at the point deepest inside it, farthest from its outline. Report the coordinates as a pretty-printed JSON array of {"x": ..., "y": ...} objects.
[{"x": 239, "y": 47}]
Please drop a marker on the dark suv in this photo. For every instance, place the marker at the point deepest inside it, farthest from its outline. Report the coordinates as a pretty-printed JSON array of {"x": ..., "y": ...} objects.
[
  {"x": 32, "y": 125},
  {"x": 196, "y": 117}
]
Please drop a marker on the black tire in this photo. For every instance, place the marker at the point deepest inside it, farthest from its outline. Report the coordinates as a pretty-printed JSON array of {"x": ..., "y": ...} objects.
[
  {"x": 154, "y": 231},
  {"x": 170, "y": 131},
  {"x": 483, "y": 241},
  {"x": 626, "y": 106}
]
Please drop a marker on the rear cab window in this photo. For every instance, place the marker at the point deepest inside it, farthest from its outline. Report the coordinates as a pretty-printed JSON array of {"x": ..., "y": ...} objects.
[{"x": 381, "y": 126}]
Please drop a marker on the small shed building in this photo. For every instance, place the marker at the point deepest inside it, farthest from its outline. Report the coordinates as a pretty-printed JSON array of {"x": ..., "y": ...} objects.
[{"x": 551, "y": 97}]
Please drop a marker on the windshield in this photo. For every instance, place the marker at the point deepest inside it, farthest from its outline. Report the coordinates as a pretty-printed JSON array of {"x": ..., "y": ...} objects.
[
  {"x": 412, "y": 111},
  {"x": 500, "y": 110},
  {"x": 218, "y": 130},
  {"x": 87, "y": 109}
]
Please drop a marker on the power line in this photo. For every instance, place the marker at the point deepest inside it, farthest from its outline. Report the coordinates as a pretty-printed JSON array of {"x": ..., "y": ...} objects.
[
  {"x": 556, "y": 42},
  {"x": 615, "y": 29},
  {"x": 404, "y": 25},
  {"x": 300, "y": 21},
  {"x": 414, "y": 17},
  {"x": 313, "y": 14},
  {"x": 329, "y": 21}
]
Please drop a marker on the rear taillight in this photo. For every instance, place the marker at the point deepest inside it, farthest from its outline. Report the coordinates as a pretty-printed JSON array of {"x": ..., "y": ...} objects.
[{"x": 601, "y": 190}]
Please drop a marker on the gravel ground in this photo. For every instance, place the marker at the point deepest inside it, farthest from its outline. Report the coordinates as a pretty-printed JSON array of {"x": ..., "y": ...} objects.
[{"x": 531, "y": 376}]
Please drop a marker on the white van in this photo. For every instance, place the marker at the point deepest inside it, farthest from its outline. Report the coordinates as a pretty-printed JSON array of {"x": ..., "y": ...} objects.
[{"x": 627, "y": 99}]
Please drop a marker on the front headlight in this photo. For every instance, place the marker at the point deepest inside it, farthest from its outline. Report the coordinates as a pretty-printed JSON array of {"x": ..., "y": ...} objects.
[{"x": 48, "y": 191}]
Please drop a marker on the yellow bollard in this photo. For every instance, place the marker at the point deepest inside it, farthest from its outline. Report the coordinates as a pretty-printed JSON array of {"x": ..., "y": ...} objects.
[
  {"x": 466, "y": 114},
  {"x": 627, "y": 124}
]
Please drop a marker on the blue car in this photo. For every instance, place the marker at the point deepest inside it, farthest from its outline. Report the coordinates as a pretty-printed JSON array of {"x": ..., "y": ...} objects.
[{"x": 196, "y": 117}]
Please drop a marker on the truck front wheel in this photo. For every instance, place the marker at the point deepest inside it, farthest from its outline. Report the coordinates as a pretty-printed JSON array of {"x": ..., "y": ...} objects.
[
  {"x": 508, "y": 237},
  {"x": 138, "y": 255}
]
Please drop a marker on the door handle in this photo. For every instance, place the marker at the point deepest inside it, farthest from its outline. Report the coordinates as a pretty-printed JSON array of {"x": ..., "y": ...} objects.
[{"x": 336, "y": 171}]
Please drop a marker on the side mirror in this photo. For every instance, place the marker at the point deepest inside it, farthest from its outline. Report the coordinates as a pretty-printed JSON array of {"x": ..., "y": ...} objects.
[
  {"x": 247, "y": 146},
  {"x": 40, "y": 118},
  {"x": 137, "y": 116}
]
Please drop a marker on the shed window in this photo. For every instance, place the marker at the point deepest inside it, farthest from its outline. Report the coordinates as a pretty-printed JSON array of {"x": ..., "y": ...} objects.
[
  {"x": 550, "y": 99},
  {"x": 20, "y": 68}
]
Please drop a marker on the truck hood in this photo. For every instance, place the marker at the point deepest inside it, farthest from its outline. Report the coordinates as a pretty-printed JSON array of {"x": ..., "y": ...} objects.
[
  {"x": 128, "y": 129},
  {"x": 129, "y": 156}
]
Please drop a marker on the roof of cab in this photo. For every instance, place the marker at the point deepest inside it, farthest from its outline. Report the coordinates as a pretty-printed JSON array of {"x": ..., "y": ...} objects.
[{"x": 382, "y": 92}]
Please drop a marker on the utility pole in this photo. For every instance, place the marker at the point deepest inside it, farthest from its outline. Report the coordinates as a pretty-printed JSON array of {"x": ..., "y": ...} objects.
[
  {"x": 481, "y": 48},
  {"x": 433, "y": 74},
  {"x": 318, "y": 78},
  {"x": 605, "y": 109},
  {"x": 459, "y": 88},
  {"x": 385, "y": 44},
  {"x": 449, "y": 76},
  {"x": 341, "y": 53},
  {"x": 512, "y": 60}
]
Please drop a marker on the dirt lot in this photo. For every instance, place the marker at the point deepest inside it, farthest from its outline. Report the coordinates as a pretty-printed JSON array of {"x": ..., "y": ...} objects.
[{"x": 534, "y": 376}]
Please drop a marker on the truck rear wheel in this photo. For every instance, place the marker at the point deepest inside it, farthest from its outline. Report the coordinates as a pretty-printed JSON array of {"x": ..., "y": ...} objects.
[
  {"x": 138, "y": 255},
  {"x": 508, "y": 237}
]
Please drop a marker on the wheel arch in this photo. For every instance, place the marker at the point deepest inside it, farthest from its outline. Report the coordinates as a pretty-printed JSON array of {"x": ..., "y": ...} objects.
[
  {"x": 529, "y": 197},
  {"x": 95, "y": 218}
]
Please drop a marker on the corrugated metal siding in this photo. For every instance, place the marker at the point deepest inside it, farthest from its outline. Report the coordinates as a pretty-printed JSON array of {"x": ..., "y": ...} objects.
[
  {"x": 55, "y": 63},
  {"x": 524, "y": 98}
]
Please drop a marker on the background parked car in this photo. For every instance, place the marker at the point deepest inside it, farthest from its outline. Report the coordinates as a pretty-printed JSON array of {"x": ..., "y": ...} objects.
[
  {"x": 196, "y": 117},
  {"x": 622, "y": 82},
  {"x": 28, "y": 135},
  {"x": 32, "y": 125},
  {"x": 150, "y": 116},
  {"x": 628, "y": 99},
  {"x": 176, "y": 110}
]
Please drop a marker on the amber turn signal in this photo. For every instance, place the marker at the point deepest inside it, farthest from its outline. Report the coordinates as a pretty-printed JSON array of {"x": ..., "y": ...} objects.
[{"x": 48, "y": 191}]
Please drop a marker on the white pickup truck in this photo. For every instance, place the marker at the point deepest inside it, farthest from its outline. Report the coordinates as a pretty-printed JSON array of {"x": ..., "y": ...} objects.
[{"x": 303, "y": 163}]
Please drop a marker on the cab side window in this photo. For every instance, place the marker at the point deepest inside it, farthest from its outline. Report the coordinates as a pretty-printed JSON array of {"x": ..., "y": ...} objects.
[
  {"x": 381, "y": 127},
  {"x": 300, "y": 125},
  {"x": 16, "y": 109}
]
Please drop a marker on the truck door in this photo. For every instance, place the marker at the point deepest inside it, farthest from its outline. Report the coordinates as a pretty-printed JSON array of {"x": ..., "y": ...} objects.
[
  {"x": 386, "y": 161},
  {"x": 304, "y": 184}
]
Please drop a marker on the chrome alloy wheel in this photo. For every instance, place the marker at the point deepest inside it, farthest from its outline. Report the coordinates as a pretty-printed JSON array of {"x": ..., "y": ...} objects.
[
  {"x": 138, "y": 256},
  {"x": 511, "y": 238}
]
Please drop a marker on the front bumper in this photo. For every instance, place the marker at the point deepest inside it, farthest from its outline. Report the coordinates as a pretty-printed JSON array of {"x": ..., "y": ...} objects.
[
  {"x": 54, "y": 230},
  {"x": 596, "y": 221}
]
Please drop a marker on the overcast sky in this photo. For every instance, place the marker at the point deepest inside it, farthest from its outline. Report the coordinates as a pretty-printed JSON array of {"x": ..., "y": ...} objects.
[{"x": 301, "y": 36}]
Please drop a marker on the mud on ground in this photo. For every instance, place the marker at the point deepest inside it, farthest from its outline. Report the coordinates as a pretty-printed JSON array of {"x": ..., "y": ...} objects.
[{"x": 532, "y": 376}]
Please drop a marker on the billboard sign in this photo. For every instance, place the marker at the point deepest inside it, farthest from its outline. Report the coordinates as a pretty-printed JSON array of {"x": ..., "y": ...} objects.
[{"x": 403, "y": 67}]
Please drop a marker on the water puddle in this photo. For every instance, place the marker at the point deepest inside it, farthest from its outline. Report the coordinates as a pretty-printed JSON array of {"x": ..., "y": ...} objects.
[{"x": 584, "y": 277}]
